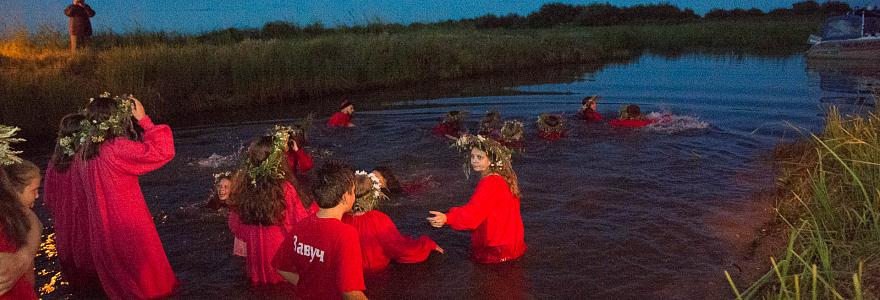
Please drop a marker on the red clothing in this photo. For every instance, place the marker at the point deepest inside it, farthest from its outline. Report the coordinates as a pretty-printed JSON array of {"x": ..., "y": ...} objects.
[
  {"x": 125, "y": 246},
  {"x": 591, "y": 116},
  {"x": 79, "y": 23},
  {"x": 326, "y": 254},
  {"x": 339, "y": 119},
  {"x": 64, "y": 195},
  {"x": 263, "y": 241},
  {"x": 446, "y": 128},
  {"x": 299, "y": 161},
  {"x": 551, "y": 136},
  {"x": 381, "y": 241},
  {"x": 629, "y": 123},
  {"x": 494, "y": 218},
  {"x": 24, "y": 287}
]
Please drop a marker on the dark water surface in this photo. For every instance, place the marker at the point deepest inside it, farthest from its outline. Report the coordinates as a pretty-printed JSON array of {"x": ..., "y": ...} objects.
[{"x": 608, "y": 213}]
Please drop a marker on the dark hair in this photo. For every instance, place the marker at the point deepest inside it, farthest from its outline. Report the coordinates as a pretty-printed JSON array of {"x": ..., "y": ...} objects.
[
  {"x": 69, "y": 125},
  {"x": 262, "y": 202},
  {"x": 333, "y": 180},
  {"x": 97, "y": 111},
  {"x": 21, "y": 174},
  {"x": 552, "y": 120},
  {"x": 391, "y": 182},
  {"x": 13, "y": 219},
  {"x": 362, "y": 186},
  {"x": 633, "y": 110}
]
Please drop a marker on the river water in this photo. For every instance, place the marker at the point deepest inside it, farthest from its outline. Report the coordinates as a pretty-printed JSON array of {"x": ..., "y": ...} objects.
[{"x": 608, "y": 212}]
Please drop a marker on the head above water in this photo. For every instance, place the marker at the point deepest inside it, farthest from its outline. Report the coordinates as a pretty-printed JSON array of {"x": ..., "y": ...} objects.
[
  {"x": 589, "y": 103},
  {"x": 334, "y": 185},
  {"x": 388, "y": 179},
  {"x": 346, "y": 106}
]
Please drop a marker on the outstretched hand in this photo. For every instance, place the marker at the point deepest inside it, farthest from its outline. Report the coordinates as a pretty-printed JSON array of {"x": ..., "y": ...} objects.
[
  {"x": 438, "y": 219},
  {"x": 439, "y": 250}
]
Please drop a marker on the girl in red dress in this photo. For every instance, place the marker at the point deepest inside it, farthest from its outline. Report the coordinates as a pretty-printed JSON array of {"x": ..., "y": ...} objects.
[
  {"x": 588, "y": 109},
  {"x": 630, "y": 116},
  {"x": 19, "y": 227},
  {"x": 493, "y": 212},
  {"x": 65, "y": 197},
  {"x": 380, "y": 240},
  {"x": 550, "y": 127},
  {"x": 342, "y": 118},
  {"x": 451, "y": 125},
  {"x": 126, "y": 250},
  {"x": 265, "y": 203}
]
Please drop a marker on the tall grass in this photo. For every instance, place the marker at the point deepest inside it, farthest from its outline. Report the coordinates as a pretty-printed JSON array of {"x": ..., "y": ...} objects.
[
  {"x": 178, "y": 74},
  {"x": 833, "y": 213}
]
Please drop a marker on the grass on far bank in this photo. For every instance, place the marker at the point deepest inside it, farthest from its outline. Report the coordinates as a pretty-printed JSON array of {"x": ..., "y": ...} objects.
[
  {"x": 832, "y": 213},
  {"x": 178, "y": 74}
]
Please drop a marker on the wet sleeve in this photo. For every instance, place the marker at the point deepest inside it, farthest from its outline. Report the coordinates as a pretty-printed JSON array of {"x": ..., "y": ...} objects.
[
  {"x": 234, "y": 223},
  {"x": 350, "y": 270},
  {"x": 295, "y": 210},
  {"x": 304, "y": 161},
  {"x": 401, "y": 248},
  {"x": 138, "y": 158},
  {"x": 472, "y": 214}
]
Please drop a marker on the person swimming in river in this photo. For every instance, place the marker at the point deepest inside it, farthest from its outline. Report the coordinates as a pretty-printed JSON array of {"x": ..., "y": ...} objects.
[
  {"x": 550, "y": 127},
  {"x": 380, "y": 240},
  {"x": 342, "y": 118},
  {"x": 588, "y": 109},
  {"x": 490, "y": 126},
  {"x": 220, "y": 192},
  {"x": 451, "y": 126},
  {"x": 512, "y": 134},
  {"x": 630, "y": 116}
]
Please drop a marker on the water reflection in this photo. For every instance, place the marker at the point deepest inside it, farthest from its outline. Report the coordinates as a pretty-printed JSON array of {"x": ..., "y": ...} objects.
[{"x": 850, "y": 85}]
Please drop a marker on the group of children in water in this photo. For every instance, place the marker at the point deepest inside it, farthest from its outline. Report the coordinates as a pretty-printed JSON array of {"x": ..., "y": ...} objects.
[
  {"x": 550, "y": 126},
  {"x": 317, "y": 232}
]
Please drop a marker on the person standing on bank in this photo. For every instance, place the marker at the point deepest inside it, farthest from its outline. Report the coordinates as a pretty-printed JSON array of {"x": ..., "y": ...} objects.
[{"x": 80, "y": 25}]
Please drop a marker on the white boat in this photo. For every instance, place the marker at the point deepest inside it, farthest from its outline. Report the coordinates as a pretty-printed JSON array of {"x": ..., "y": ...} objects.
[{"x": 853, "y": 36}]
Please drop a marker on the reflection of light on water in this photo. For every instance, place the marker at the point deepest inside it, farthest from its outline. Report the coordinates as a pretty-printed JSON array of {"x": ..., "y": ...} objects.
[{"x": 50, "y": 276}]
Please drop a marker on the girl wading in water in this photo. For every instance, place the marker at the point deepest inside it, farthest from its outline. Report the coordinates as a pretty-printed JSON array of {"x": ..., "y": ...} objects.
[
  {"x": 128, "y": 255},
  {"x": 493, "y": 212},
  {"x": 381, "y": 242},
  {"x": 265, "y": 203}
]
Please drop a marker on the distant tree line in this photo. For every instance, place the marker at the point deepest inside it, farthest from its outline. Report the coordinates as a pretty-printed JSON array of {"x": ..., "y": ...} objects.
[
  {"x": 549, "y": 15},
  {"x": 556, "y": 14}
]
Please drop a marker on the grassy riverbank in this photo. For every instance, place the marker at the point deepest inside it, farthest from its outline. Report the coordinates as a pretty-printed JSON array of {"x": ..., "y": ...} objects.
[
  {"x": 831, "y": 211},
  {"x": 179, "y": 75}
]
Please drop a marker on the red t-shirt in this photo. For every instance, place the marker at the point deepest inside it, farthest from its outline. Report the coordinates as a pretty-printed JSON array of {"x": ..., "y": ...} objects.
[
  {"x": 326, "y": 254},
  {"x": 339, "y": 119},
  {"x": 493, "y": 216},
  {"x": 23, "y": 288},
  {"x": 381, "y": 241}
]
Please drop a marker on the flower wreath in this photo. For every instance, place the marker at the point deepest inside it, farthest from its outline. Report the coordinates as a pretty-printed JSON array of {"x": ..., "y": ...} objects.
[
  {"x": 371, "y": 199},
  {"x": 95, "y": 131},
  {"x": 454, "y": 116},
  {"x": 221, "y": 175},
  {"x": 512, "y": 131},
  {"x": 271, "y": 167},
  {"x": 503, "y": 155},
  {"x": 547, "y": 128},
  {"x": 7, "y": 137}
]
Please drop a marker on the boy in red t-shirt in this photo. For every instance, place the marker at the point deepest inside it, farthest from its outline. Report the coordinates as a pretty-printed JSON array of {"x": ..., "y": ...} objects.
[{"x": 322, "y": 255}]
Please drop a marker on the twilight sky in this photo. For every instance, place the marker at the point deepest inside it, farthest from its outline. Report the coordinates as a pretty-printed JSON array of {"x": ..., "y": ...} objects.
[{"x": 203, "y": 15}]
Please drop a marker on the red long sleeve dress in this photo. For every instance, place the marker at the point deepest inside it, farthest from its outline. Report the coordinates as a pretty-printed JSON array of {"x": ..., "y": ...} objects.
[
  {"x": 263, "y": 241},
  {"x": 339, "y": 119},
  {"x": 493, "y": 217},
  {"x": 24, "y": 287},
  {"x": 64, "y": 195},
  {"x": 299, "y": 161},
  {"x": 381, "y": 241},
  {"x": 125, "y": 246}
]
